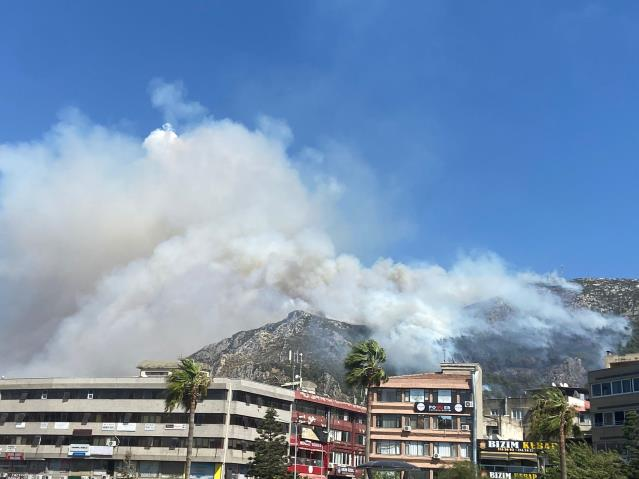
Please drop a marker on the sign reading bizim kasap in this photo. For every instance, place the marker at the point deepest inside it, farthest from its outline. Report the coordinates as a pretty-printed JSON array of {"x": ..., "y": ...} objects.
[{"x": 514, "y": 446}]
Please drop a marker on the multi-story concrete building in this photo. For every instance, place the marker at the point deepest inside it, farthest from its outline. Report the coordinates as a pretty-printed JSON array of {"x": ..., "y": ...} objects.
[
  {"x": 613, "y": 392},
  {"x": 506, "y": 418},
  {"x": 428, "y": 419},
  {"x": 330, "y": 439},
  {"x": 95, "y": 427}
]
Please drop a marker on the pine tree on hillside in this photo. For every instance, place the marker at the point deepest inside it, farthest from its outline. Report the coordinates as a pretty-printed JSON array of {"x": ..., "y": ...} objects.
[
  {"x": 631, "y": 435},
  {"x": 270, "y": 460}
]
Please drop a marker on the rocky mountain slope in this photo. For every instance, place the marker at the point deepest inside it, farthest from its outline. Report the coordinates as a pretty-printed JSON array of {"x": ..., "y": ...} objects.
[{"x": 262, "y": 354}]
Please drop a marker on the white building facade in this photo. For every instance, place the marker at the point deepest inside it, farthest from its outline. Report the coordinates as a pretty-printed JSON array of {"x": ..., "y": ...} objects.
[{"x": 104, "y": 428}]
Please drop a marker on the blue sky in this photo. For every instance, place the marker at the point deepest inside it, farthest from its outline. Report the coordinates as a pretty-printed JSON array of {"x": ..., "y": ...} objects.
[{"x": 502, "y": 126}]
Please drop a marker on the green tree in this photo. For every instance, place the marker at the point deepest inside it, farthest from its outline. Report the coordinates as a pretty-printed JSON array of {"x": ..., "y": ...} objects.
[
  {"x": 584, "y": 463},
  {"x": 128, "y": 468},
  {"x": 631, "y": 435},
  {"x": 460, "y": 470},
  {"x": 364, "y": 369},
  {"x": 185, "y": 386},
  {"x": 550, "y": 418},
  {"x": 270, "y": 460}
]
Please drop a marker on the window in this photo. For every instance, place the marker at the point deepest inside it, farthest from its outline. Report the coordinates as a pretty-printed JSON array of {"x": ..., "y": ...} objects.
[
  {"x": 444, "y": 422},
  {"x": 415, "y": 395},
  {"x": 605, "y": 389},
  {"x": 616, "y": 387},
  {"x": 444, "y": 396},
  {"x": 464, "y": 450},
  {"x": 596, "y": 390},
  {"x": 626, "y": 385},
  {"x": 444, "y": 449},
  {"x": 494, "y": 412},
  {"x": 517, "y": 413},
  {"x": 598, "y": 419},
  {"x": 414, "y": 448},
  {"x": 389, "y": 420},
  {"x": 635, "y": 383},
  {"x": 361, "y": 439},
  {"x": 619, "y": 418},
  {"x": 607, "y": 419},
  {"x": 584, "y": 418},
  {"x": 340, "y": 436},
  {"x": 466, "y": 421},
  {"x": 416, "y": 422},
  {"x": 389, "y": 395},
  {"x": 387, "y": 448}
]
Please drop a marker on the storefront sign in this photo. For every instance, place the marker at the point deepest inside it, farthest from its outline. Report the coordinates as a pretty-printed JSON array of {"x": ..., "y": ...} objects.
[
  {"x": 101, "y": 450},
  {"x": 175, "y": 426},
  {"x": 128, "y": 427},
  {"x": 14, "y": 456},
  {"x": 79, "y": 450},
  {"x": 437, "y": 407},
  {"x": 512, "y": 475},
  {"x": 11, "y": 449},
  {"x": 515, "y": 446},
  {"x": 311, "y": 445},
  {"x": 108, "y": 426},
  {"x": 345, "y": 470}
]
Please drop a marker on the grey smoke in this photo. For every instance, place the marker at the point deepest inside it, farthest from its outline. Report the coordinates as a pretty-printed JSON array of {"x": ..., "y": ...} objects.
[{"x": 115, "y": 248}]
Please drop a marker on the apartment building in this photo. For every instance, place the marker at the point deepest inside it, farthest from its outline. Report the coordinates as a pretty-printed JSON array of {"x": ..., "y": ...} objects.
[
  {"x": 428, "y": 419},
  {"x": 506, "y": 417},
  {"x": 329, "y": 436},
  {"x": 107, "y": 428},
  {"x": 614, "y": 391}
]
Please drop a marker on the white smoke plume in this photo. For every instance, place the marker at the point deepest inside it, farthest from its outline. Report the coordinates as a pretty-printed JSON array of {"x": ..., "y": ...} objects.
[{"x": 115, "y": 248}]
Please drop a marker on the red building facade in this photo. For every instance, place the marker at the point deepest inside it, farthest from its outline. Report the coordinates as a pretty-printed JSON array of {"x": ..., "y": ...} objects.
[{"x": 328, "y": 436}]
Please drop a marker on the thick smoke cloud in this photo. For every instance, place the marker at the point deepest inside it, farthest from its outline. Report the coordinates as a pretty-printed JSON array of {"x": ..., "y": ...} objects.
[{"x": 115, "y": 248}]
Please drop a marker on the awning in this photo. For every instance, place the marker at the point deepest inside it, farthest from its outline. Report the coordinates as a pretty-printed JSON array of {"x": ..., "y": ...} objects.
[
  {"x": 311, "y": 476},
  {"x": 308, "y": 433},
  {"x": 388, "y": 466}
]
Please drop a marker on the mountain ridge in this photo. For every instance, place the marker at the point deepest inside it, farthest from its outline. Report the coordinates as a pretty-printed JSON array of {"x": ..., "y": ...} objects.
[{"x": 261, "y": 354}]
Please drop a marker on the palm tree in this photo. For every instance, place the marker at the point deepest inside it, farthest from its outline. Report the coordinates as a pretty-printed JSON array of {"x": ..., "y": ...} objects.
[
  {"x": 364, "y": 369},
  {"x": 552, "y": 417},
  {"x": 185, "y": 387}
]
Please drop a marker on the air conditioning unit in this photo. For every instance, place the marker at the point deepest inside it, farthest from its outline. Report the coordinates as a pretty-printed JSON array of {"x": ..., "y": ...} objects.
[
  {"x": 465, "y": 427},
  {"x": 89, "y": 395},
  {"x": 468, "y": 404},
  {"x": 406, "y": 428},
  {"x": 331, "y": 465},
  {"x": 435, "y": 456},
  {"x": 111, "y": 442}
]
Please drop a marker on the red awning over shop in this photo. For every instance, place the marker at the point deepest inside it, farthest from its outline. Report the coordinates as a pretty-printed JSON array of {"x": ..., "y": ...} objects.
[{"x": 311, "y": 476}]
